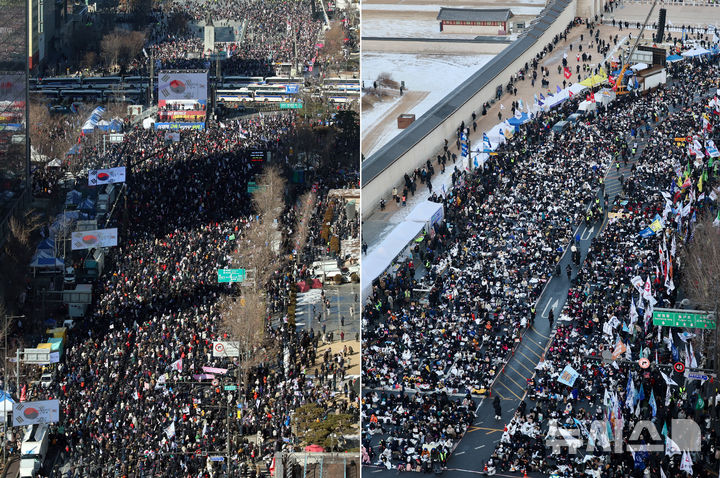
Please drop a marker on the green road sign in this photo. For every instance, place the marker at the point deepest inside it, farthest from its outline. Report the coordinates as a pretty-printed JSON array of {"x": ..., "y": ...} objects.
[
  {"x": 230, "y": 387},
  {"x": 291, "y": 106},
  {"x": 231, "y": 275},
  {"x": 252, "y": 187},
  {"x": 692, "y": 319}
]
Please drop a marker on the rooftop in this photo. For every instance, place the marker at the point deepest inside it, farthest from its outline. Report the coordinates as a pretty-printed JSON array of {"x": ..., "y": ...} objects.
[{"x": 475, "y": 14}]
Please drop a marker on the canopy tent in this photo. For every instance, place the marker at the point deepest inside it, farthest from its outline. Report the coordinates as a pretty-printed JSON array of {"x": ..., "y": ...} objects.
[
  {"x": 73, "y": 197},
  {"x": 605, "y": 96},
  {"x": 576, "y": 88},
  {"x": 697, "y": 51},
  {"x": 93, "y": 120},
  {"x": 555, "y": 100},
  {"x": 47, "y": 244},
  {"x": 517, "y": 121},
  {"x": 639, "y": 66},
  {"x": 672, "y": 58},
  {"x": 45, "y": 259},
  {"x": 428, "y": 213},
  {"x": 55, "y": 163},
  {"x": 379, "y": 258},
  {"x": 6, "y": 405},
  {"x": 594, "y": 80},
  {"x": 87, "y": 205},
  {"x": 63, "y": 221}
]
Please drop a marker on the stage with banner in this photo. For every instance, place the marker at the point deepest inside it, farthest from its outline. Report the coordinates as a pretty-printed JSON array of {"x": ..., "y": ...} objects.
[{"x": 182, "y": 99}]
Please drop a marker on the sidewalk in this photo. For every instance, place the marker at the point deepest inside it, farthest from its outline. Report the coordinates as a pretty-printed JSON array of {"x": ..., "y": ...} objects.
[{"x": 380, "y": 223}]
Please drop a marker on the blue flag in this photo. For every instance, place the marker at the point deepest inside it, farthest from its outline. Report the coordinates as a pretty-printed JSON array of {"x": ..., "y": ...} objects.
[
  {"x": 675, "y": 353},
  {"x": 640, "y": 395},
  {"x": 653, "y": 405},
  {"x": 542, "y": 97}
]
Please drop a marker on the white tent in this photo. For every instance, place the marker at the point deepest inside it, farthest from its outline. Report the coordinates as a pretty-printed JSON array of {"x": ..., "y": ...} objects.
[
  {"x": 44, "y": 259},
  {"x": 379, "y": 258},
  {"x": 639, "y": 66},
  {"x": 428, "y": 213},
  {"x": 55, "y": 163},
  {"x": 697, "y": 51}
]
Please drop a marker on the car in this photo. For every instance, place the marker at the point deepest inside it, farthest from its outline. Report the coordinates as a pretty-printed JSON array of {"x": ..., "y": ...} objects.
[
  {"x": 70, "y": 278},
  {"x": 574, "y": 118},
  {"x": 560, "y": 126},
  {"x": 46, "y": 380}
]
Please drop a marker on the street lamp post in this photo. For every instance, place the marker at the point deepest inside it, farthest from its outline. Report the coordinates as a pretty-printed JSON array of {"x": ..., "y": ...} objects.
[{"x": 5, "y": 382}]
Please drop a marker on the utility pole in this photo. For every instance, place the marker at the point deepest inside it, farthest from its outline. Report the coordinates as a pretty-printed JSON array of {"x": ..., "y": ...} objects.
[
  {"x": 151, "y": 92},
  {"x": 5, "y": 381}
]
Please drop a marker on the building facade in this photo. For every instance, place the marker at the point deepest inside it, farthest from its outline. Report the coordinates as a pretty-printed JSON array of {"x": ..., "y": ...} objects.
[
  {"x": 475, "y": 21},
  {"x": 14, "y": 146}
]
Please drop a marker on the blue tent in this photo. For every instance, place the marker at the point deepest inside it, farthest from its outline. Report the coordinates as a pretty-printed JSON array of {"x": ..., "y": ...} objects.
[
  {"x": 47, "y": 243},
  {"x": 674, "y": 58},
  {"x": 87, "y": 205},
  {"x": 628, "y": 72},
  {"x": 516, "y": 122}
]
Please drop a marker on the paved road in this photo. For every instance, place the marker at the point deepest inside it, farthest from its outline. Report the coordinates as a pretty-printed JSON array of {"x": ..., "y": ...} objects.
[
  {"x": 310, "y": 315},
  {"x": 479, "y": 442}
]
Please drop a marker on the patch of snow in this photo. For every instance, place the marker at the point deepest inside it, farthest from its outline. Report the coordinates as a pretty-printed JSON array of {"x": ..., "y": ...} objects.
[{"x": 437, "y": 74}]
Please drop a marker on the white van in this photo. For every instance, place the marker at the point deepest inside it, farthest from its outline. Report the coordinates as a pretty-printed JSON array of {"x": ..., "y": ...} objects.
[{"x": 33, "y": 450}]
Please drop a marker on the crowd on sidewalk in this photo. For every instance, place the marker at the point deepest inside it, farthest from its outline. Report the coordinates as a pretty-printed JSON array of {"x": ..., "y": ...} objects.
[
  {"x": 136, "y": 383},
  {"x": 506, "y": 225},
  {"x": 609, "y": 309}
]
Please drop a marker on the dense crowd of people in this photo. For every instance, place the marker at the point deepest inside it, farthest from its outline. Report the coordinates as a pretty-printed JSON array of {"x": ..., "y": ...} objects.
[
  {"x": 506, "y": 226},
  {"x": 624, "y": 277},
  {"x": 278, "y": 31},
  {"x": 133, "y": 392}
]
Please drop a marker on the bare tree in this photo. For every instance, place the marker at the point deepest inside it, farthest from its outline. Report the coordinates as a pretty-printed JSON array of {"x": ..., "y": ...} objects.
[
  {"x": 307, "y": 205},
  {"x": 120, "y": 47},
  {"x": 244, "y": 320},
  {"x": 110, "y": 46},
  {"x": 333, "y": 48},
  {"x": 51, "y": 135},
  {"x": 701, "y": 276}
]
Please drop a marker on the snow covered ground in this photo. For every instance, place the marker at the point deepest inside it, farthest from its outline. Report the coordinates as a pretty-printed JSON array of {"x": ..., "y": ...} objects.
[
  {"x": 420, "y": 73},
  {"x": 404, "y": 7}
]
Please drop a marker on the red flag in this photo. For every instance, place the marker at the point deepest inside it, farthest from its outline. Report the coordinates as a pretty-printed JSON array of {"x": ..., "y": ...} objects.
[
  {"x": 570, "y": 93},
  {"x": 567, "y": 73},
  {"x": 592, "y": 97}
]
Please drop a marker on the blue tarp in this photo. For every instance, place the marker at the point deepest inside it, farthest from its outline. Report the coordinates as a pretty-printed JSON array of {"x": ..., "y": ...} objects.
[
  {"x": 674, "y": 58},
  {"x": 73, "y": 197},
  {"x": 87, "y": 205},
  {"x": 47, "y": 243}
]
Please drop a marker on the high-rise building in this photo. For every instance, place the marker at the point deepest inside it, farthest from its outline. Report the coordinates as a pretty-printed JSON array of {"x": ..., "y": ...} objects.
[
  {"x": 41, "y": 19},
  {"x": 14, "y": 146}
]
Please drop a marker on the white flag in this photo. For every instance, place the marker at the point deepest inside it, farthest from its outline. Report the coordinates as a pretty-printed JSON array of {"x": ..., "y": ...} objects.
[
  {"x": 170, "y": 431},
  {"x": 671, "y": 448},
  {"x": 668, "y": 380},
  {"x": 686, "y": 463},
  {"x": 662, "y": 473},
  {"x": 633, "y": 312},
  {"x": 177, "y": 365},
  {"x": 693, "y": 361}
]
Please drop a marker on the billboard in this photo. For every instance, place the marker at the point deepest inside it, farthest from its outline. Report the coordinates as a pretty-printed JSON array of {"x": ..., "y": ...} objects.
[
  {"x": 96, "y": 238},
  {"x": 180, "y": 115},
  {"x": 173, "y": 85},
  {"x": 106, "y": 176},
  {"x": 179, "y": 125},
  {"x": 226, "y": 349},
  {"x": 30, "y": 413}
]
